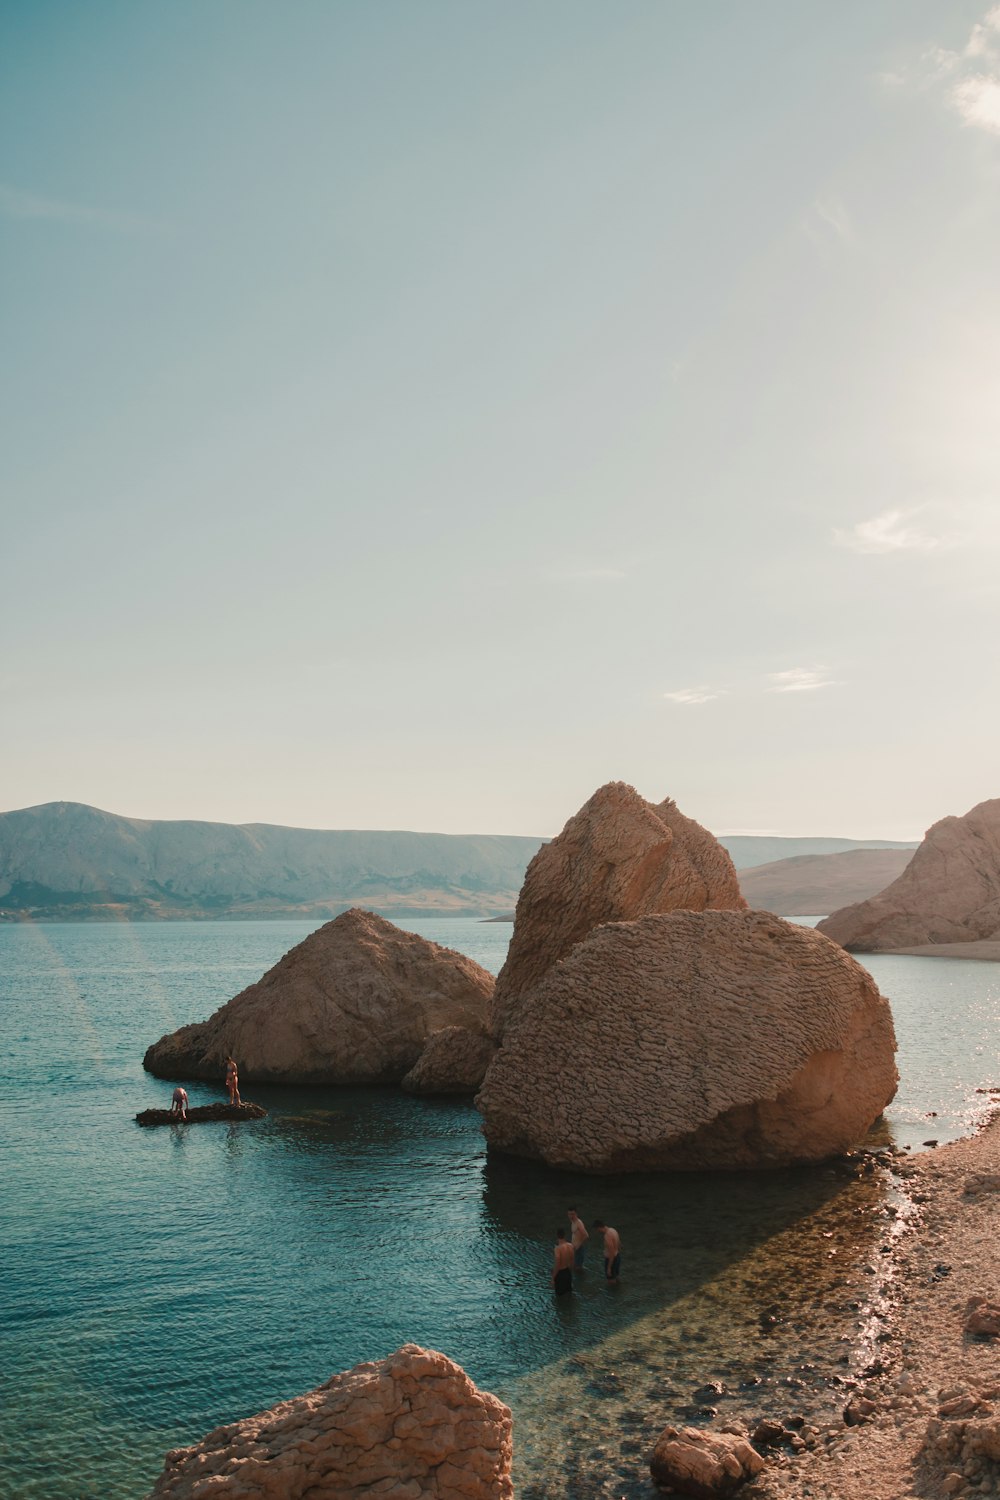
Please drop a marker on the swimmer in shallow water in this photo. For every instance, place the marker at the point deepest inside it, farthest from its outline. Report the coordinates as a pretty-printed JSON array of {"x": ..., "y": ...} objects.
[
  {"x": 612, "y": 1251},
  {"x": 562, "y": 1265}
]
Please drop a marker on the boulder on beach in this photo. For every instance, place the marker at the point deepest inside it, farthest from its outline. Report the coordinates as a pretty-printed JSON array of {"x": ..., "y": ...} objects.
[
  {"x": 618, "y": 858},
  {"x": 354, "y": 1003},
  {"x": 412, "y": 1425},
  {"x": 706, "y": 1465},
  {"x": 948, "y": 893},
  {"x": 719, "y": 1039}
]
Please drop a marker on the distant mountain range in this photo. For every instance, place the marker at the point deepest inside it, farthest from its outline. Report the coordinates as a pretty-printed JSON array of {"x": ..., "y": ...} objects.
[{"x": 65, "y": 861}]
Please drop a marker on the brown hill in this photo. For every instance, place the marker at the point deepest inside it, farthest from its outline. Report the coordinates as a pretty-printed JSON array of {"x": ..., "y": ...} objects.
[{"x": 821, "y": 883}]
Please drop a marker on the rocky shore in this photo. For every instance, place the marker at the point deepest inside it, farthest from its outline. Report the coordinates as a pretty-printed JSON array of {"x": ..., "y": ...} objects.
[{"x": 926, "y": 1423}]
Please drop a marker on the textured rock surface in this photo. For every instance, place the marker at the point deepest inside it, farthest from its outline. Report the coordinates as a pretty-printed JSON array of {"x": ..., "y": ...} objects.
[
  {"x": 454, "y": 1061},
  {"x": 354, "y": 1003},
  {"x": 410, "y": 1427},
  {"x": 618, "y": 858},
  {"x": 948, "y": 893},
  {"x": 714, "y": 1039},
  {"x": 703, "y": 1464}
]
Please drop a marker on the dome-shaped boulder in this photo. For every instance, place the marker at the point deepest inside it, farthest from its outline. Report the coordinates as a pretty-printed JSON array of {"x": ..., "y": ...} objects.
[{"x": 719, "y": 1039}]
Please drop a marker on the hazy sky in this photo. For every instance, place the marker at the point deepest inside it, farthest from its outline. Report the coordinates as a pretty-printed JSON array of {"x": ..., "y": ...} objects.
[{"x": 420, "y": 412}]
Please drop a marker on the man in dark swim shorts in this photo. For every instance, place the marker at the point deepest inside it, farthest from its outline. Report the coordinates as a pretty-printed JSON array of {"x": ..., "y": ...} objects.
[{"x": 562, "y": 1265}]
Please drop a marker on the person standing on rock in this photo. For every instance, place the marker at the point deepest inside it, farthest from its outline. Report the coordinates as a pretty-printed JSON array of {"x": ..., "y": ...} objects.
[
  {"x": 579, "y": 1237},
  {"x": 612, "y": 1251},
  {"x": 179, "y": 1103},
  {"x": 562, "y": 1265},
  {"x": 233, "y": 1081}
]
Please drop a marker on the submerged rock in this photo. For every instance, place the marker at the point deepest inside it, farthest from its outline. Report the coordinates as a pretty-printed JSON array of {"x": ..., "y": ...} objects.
[
  {"x": 620, "y": 857},
  {"x": 354, "y": 1003},
  {"x": 718, "y": 1039},
  {"x": 948, "y": 893},
  {"x": 412, "y": 1425}
]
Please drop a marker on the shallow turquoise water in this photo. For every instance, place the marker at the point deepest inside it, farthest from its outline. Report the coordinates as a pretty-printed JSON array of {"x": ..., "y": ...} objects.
[{"x": 160, "y": 1282}]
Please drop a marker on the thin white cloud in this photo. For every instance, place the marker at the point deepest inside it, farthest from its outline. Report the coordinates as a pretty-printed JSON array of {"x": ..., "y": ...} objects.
[
  {"x": 832, "y": 215},
  {"x": 694, "y": 695},
  {"x": 892, "y": 531},
  {"x": 800, "y": 680},
  {"x": 16, "y": 204},
  {"x": 970, "y": 75}
]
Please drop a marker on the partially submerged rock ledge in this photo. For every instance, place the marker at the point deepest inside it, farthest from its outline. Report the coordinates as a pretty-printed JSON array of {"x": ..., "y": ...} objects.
[{"x": 202, "y": 1114}]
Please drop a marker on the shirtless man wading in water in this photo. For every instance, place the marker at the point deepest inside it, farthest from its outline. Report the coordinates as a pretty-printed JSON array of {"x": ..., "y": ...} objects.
[
  {"x": 612, "y": 1251},
  {"x": 562, "y": 1264},
  {"x": 578, "y": 1234}
]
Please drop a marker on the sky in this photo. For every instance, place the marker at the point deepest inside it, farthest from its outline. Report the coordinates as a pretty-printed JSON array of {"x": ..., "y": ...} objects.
[{"x": 419, "y": 413}]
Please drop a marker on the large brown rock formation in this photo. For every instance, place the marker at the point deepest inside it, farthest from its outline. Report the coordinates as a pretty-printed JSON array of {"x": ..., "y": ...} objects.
[
  {"x": 355, "y": 1002},
  {"x": 716, "y": 1039},
  {"x": 454, "y": 1061},
  {"x": 618, "y": 858},
  {"x": 948, "y": 893},
  {"x": 412, "y": 1425}
]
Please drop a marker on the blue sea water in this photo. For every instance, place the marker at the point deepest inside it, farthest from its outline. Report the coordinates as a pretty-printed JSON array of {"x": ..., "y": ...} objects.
[{"x": 160, "y": 1282}]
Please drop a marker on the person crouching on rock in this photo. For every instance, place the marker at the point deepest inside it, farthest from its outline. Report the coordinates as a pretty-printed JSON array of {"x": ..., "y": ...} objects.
[
  {"x": 562, "y": 1265},
  {"x": 233, "y": 1081},
  {"x": 179, "y": 1103}
]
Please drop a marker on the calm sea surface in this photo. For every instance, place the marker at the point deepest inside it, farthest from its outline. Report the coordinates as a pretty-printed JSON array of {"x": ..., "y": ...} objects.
[{"x": 160, "y": 1282}]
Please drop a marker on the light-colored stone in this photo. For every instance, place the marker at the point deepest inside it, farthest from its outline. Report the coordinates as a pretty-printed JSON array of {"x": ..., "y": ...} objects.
[
  {"x": 948, "y": 893},
  {"x": 717, "y": 1039},
  {"x": 454, "y": 1061},
  {"x": 355, "y": 1002},
  {"x": 618, "y": 858},
  {"x": 704, "y": 1464},
  {"x": 412, "y": 1425}
]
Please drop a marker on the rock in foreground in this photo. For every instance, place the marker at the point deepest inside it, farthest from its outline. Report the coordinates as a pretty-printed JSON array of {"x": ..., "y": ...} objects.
[
  {"x": 948, "y": 893},
  {"x": 412, "y": 1426},
  {"x": 717, "y": 1039},
  {"x": 355, "y": 1003},
  {"x": 620, "y": 857},
  {"x": 706, "y": 1465}
]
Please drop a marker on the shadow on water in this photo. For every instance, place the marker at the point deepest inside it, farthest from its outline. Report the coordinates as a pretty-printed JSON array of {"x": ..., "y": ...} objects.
[{"x": 742, "y": 1295}]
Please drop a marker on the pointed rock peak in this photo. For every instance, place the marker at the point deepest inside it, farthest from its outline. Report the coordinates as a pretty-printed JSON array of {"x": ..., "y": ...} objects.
[{"x": 618, "y": 858}]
